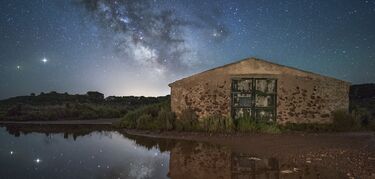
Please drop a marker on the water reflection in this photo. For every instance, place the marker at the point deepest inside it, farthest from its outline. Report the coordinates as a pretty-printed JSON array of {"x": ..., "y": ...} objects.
[
  {"x": 73, "y": 131},
  {"x": 97, "y": 152}
]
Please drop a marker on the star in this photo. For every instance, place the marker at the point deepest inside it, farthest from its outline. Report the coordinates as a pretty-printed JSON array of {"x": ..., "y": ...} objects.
[
  {"x": 18, "y": 67},
  {"x": 44, "y": 60},
  {"x": 11, "y": 152},
  {"x": 38, "y": 160}
]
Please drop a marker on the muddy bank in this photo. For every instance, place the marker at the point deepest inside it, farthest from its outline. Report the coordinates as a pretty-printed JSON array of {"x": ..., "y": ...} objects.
[{"x": 353, "y": 154}]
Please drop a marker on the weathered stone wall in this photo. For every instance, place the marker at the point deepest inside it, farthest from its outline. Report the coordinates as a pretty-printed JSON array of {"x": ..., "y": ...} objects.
[
  {"x": 307, "y": 100},
  {"x": 302, "y": 97}
]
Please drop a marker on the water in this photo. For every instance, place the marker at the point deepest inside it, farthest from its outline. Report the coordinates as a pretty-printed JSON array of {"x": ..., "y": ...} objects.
[{"x": 90, "y": 152}]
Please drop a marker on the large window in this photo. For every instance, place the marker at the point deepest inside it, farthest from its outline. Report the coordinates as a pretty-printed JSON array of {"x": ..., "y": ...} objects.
[{"x": 254, "y": 98}]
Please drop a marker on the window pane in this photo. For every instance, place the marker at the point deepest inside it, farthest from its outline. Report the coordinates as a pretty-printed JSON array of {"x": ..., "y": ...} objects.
[
  {"x": 264, "y": 101},
  {"x": 266, "y": 86},
  {"x": 242, "y": 112},
  {"x": 244, "y": 85},
  {"x": 265, "y": 115},
  {"x": 243, "y": 100}
]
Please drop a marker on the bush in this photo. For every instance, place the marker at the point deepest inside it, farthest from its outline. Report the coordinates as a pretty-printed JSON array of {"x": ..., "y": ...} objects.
[
  {"x": 217, "y": 124},
  {"x": 268, "y": 127},
  {"x": 188, "y": 121},
  {"x": 166, "y": 118},
  {"x": 145, "y": 121},
  {"x": 246, "y": 124},
  {"x": 343, "y": 121},
  {"x": 153, "y": 117}
]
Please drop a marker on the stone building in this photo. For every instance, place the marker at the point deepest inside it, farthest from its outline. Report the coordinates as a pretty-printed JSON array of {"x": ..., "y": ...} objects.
[{"x": 261, "y": 90}]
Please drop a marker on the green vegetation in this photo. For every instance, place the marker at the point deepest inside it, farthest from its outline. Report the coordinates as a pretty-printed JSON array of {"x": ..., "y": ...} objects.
[
  {"x": 160, "y": 117},
  {"x": 63, "y": 106},
  {"x": 217, "y": 124},
  {"x": 151, "y": 117}
]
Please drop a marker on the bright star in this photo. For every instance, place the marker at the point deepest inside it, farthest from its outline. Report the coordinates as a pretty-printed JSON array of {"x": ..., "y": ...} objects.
[
  {"x": 215, "y": 34},
  {"x": 44, "y": 60},
  {"x": 11, "y": 152},
  {"x": 38, "y": 160},
  {"x": 18, "y": 67}
]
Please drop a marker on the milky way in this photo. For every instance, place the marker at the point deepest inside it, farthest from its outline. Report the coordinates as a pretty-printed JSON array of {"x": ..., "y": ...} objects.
[{"x": 130, "y": 47}]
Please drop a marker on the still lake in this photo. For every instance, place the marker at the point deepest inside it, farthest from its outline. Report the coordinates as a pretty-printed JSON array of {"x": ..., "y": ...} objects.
[{"x": 88, "y": 152}]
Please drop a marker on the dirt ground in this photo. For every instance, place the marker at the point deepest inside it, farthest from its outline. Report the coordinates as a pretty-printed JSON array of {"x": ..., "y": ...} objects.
[
  {"x": 67, "y": 122},
  {"x": 350, "y": 153}
]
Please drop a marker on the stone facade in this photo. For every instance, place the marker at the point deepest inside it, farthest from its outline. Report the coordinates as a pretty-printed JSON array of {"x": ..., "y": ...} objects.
[{"x": 301, "y": 97}]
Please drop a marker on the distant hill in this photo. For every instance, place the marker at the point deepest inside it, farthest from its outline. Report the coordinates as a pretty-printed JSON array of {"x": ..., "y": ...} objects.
[
  {"x": 54, "y": 98},
  {"x": 64, "y": 106}
]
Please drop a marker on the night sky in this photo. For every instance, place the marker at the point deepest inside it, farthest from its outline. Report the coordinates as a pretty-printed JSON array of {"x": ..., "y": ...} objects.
[{"x": 129, "y": 47}]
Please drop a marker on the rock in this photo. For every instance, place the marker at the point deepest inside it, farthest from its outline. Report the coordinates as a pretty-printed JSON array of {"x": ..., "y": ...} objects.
[
  {"x": 254, "y": 158},
  {"x": 286, "y": 171}
]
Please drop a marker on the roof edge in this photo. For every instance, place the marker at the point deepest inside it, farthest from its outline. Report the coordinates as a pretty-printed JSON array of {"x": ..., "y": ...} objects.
[{"x": 261, "y": 60}]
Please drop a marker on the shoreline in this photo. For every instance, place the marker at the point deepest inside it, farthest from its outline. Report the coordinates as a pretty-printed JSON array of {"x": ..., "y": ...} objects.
[
  {"x": 66, "y": 122},
  {"x": 293, "y": 142}
]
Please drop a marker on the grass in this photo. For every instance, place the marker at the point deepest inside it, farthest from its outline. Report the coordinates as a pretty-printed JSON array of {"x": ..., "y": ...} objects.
[
  {"x": 151, "y": 117},
  {"x": 159, "y": 117}
]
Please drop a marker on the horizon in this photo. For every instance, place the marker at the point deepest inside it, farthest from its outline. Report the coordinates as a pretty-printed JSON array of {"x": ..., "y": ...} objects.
[{"x": 125, "y": 48}]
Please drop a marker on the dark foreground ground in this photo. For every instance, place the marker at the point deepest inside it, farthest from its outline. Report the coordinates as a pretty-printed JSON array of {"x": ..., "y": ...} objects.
[
  {"x": 66, "y": 122},
  {"x": 350, "y": 153}
]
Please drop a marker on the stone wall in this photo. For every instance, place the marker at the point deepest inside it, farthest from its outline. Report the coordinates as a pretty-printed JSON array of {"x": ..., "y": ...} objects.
[
  {"x": 302, "y": 97},
  {"x": 307, "y": 100}
]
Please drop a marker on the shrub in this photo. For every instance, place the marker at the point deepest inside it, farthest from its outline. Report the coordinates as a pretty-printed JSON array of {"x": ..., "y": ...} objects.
[
  {"x": 145, "y": 121},
  {"x": 246, "y": 124},
  {"x": 217, "y": 124},
  {"x": 166, "y": 118},
  {"x": 343, "y": 121},
  {"x": 156, "y": 116},
  {"x": 268, "y": 127},
  {"x": 188, "y": 121}
]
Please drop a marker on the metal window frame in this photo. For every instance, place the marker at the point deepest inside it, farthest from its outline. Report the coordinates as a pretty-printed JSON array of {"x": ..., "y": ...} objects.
[{"x": 253, "y": 93}]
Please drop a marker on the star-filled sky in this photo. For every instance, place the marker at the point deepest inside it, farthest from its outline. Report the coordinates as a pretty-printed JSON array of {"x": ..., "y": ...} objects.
[{"x": 128, "y": 47}]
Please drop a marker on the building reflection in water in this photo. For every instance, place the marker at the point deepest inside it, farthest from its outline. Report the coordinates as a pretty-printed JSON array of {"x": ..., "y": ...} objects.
[
  {"x": 199, "y": 160},
  {"x": 191, "y": 160}
]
